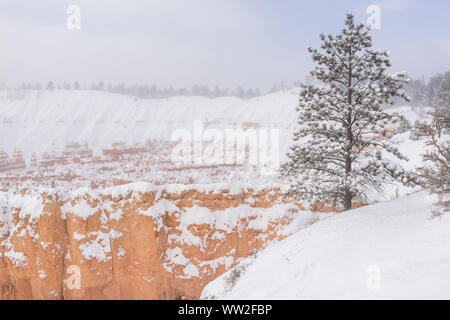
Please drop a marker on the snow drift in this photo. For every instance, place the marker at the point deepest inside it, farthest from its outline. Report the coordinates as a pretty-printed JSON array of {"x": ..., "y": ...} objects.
[{"x": 390, "y": 250}]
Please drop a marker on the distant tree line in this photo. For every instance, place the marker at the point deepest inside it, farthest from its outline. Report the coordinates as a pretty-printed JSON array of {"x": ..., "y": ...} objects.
[
  {"x": 156, "y": 92},
  {"x": 426, "y": 94},
  {"x": 422, "y": 93}
]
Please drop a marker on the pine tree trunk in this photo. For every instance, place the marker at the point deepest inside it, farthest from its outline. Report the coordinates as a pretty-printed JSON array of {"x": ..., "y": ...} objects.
[
  {"x": 348, "y": 195},
  {"x": 348, "y": 168},
  {"x": 347, "y": 201},
  {"x": 348, "y": 160}
]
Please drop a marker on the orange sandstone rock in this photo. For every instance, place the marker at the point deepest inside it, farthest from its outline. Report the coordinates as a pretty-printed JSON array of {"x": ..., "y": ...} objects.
[{"x": 132, "y": 244}]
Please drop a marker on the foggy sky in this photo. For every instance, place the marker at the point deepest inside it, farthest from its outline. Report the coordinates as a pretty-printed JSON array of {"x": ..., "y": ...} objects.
[{"x": 253, "y": 43}]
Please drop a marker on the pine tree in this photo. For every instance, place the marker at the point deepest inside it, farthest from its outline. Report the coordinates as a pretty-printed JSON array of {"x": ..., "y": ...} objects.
[
  {"x": 50, "y": 86},
  {"x": 442, "y": 98},
  {"x": 435, "y": 173},
  {"x": 417, "y": 91},
  {"x": 432, "y": 88},
  {"x": 337, "y": 154}
]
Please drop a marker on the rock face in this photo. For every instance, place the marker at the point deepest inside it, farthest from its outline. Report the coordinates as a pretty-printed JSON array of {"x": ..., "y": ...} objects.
[{"x": 136, "y": 241}]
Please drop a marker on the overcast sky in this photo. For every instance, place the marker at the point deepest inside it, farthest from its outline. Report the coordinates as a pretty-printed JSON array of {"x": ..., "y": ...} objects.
[{"x": 253, "y": 43}]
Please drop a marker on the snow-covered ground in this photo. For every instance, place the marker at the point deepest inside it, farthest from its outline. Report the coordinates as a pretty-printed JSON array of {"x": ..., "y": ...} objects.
[
  {"x": 389, "y": 250},
  {"x": 29, "y": 120}
]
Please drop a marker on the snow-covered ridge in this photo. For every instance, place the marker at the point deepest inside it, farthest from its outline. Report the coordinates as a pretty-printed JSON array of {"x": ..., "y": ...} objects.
[
  {"x": 38, "y": 121},
  {"x": 390, "y": 250},
  {"x": 141, "y": 187}
]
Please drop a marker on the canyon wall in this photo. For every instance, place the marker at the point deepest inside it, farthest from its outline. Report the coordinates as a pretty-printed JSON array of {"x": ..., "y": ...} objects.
[{"x": 136, "y": 241}]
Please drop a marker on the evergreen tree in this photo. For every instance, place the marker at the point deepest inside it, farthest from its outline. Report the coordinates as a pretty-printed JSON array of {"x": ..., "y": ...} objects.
[
  {"x": 417, "y": 91},
  {"x": 337, "y": 155},
  {"x": 50, "y": 86},
  {"x": 442, "y": 96},
  {"x": 435, "y": 173},
  {"x": 274, "y": 89},
  {"x": 433, "y": 87}
]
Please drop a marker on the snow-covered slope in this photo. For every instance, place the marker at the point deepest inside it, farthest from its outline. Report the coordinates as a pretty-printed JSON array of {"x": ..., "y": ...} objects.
[
  {"x": 390, "y": 250},
  {"x": 37, "y": 121}
]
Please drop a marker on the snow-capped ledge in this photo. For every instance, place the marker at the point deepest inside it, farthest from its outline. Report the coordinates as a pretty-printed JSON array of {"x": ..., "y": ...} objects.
[{"x": 390, "y": 250}]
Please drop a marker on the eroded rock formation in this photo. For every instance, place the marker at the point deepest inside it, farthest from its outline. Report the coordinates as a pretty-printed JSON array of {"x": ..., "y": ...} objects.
[{"x": 131, "y": 242}]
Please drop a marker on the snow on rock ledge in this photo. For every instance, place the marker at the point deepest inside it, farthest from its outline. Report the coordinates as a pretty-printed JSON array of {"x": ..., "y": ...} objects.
[
  {"x": 137, "y": 241},
  {"x": 390, "y": 250}
]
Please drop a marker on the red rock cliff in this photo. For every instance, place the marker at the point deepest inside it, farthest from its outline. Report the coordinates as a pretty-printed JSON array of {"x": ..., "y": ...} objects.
[{"x": 131, "y": 242}]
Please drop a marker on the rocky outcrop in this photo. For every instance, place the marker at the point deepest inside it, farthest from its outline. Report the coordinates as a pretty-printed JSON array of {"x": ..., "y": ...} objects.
[{"x": 136, "y": 241}]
